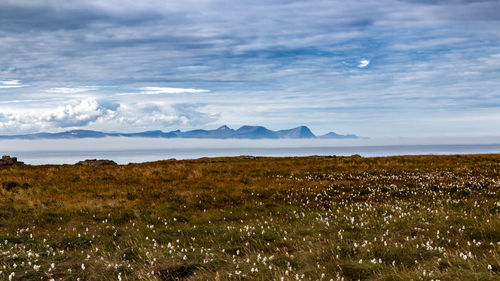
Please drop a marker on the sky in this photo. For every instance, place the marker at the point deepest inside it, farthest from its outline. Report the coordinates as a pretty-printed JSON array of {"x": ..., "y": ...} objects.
[{"x": 378, "y": 68}]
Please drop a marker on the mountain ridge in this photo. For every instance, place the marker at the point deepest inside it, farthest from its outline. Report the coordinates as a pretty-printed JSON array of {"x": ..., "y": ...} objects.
[{"x": 223, "y": 132}]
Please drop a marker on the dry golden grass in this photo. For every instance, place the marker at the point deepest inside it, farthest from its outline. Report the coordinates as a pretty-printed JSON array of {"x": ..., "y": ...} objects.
[{"x": 246, "y": 218}]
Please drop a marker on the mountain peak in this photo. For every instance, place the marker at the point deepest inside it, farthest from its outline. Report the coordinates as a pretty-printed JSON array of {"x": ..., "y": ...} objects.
[
  {"x": 254, "y": 132},
  {"x": 223, "y": 128},
  {"x": 301, "y": 132}
]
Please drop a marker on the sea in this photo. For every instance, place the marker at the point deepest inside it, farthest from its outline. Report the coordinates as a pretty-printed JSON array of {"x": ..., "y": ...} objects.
[{"x": 138, "y": 150}]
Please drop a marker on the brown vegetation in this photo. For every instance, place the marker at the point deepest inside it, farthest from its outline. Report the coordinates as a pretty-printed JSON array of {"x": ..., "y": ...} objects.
[{"x": 253, "y": 218}]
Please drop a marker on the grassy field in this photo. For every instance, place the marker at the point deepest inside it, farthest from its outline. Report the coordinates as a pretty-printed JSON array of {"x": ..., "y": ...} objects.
[{"x": 247, "y": 218}]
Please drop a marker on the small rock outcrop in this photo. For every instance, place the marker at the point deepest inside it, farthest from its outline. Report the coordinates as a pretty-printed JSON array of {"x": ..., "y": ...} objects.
[
  {"x": 95, "y": 162},
  {"x": 9, "y": 161}
]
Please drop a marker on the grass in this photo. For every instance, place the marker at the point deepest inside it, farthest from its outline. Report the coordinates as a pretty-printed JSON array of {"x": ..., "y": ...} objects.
[{"x": 246, "y": 218}]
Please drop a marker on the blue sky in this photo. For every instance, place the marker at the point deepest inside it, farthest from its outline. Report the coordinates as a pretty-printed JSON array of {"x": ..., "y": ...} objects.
[{"x": 374, "y": 68}]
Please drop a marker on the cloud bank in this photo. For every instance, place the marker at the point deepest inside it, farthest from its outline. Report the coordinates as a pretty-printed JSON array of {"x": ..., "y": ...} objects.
[
  {"x": 74, "y": 114},
  {"x": 128, "y": 116}
]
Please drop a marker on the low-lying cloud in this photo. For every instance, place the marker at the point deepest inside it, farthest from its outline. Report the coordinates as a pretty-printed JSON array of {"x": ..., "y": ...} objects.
[
  {"x": 73, "y": 114},
  {"x": 126, "y": 115},
  {"x": 161, "y": 114}
]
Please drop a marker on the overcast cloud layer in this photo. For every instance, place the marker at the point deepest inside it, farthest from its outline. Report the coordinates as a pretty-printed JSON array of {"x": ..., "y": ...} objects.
[{"x": 378, "y": 68}]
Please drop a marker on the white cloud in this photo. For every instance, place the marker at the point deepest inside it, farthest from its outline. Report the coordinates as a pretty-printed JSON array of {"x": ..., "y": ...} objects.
[
  {"x": 127, "y": 114},
  {"x": 169, "y": 90},
  {"x": 9, "y": 84},
  {"x": 72, "y": 90},
  {"x": 72, "y": 114},
  {"x": 492, "y": 60},
  {"x": 363, "y": 63},
  {"x": 424, "y": 44},
  {"x": 159, "y": 114}
]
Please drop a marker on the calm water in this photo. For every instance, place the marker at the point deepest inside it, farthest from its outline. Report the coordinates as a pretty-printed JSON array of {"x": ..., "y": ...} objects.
[{"x": 143, "y": 150}]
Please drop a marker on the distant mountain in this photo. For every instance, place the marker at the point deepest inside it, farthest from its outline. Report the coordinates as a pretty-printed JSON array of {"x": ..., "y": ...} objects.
[
  {"x": 62, "y": 135},
  {"x": 332, "y": 135},
  {"x": 301, "y": 132},
  {"x": 148, "y": 134},
  {"x": 223, "y": 132},
  {"x": 254, "y": 132}
]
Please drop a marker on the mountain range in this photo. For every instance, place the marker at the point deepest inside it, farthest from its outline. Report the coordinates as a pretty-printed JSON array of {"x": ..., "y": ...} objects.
[{"x": 223, "y": 132}]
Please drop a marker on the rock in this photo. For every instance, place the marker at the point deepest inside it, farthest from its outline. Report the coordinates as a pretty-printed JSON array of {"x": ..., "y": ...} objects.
[
  {"x": 249, "y": 157},
  {"x": 95, "y": 162},
  {"x": 9, "y": 161}
]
